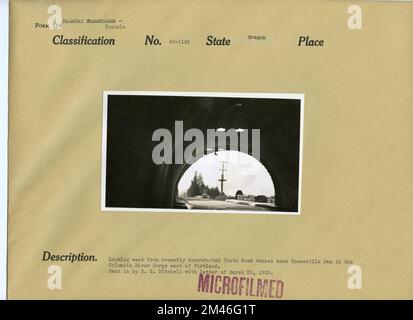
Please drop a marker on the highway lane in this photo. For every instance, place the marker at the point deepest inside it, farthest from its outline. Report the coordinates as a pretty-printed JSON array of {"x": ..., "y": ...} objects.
[{"x": 209, "y": 204}]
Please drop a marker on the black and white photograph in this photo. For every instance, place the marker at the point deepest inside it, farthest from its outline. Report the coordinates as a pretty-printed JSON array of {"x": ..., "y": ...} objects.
[{"x": 202, "y": 152}]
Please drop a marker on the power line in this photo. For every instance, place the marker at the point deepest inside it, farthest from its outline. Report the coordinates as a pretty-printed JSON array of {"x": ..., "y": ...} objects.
[{"x": 222, "y": 175}]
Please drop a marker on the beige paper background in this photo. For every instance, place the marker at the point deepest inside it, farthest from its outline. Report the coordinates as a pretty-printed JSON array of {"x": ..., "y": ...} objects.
[{"x": 357, "y": 179}]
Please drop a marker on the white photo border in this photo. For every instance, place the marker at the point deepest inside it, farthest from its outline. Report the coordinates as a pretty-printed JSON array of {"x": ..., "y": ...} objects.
[{"x": 292, "y": 96}]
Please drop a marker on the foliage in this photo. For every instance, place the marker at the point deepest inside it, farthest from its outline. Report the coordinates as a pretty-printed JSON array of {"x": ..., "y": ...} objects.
[{"x": 198, "y": 188}]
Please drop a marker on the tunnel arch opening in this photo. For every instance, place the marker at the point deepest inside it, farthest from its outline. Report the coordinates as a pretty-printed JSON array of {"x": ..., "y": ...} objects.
[{"x": 219, "y": 176}]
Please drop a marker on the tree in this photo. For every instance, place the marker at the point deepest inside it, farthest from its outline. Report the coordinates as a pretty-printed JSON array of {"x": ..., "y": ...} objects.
[
  {"x": 198, "y": 188},
  {"x": 201, "y": 184},
  {"x": 213, "y": 192},
  {"x": 195, "y": 187}
]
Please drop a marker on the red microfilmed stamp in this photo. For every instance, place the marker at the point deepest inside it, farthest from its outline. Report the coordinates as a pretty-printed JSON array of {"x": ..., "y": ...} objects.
[{"x": 240, "y": 286}]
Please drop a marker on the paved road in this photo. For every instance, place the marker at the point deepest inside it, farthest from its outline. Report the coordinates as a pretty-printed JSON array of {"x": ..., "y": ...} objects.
[{"x": 208, "y": 204}]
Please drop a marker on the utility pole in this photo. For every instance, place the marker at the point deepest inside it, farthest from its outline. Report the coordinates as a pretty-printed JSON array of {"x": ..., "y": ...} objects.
[{"x": 222, "y": 176}]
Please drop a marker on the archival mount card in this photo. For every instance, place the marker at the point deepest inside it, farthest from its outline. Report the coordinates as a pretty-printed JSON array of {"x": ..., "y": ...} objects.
[{"x": 210, "y": 150}]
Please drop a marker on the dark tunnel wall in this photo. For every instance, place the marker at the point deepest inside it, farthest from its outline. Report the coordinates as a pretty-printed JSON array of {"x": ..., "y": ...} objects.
[{"x": 134, "y": 181}]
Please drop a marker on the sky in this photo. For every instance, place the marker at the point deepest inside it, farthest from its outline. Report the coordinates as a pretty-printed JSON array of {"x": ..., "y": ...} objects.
[{"x": 243, "y": 173}]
